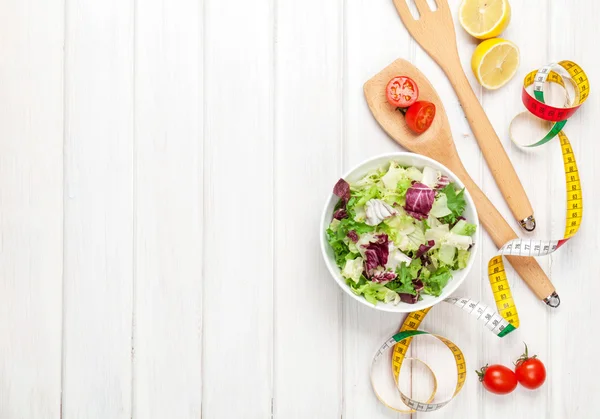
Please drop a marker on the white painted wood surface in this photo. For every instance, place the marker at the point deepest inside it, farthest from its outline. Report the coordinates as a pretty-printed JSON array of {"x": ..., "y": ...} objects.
[{"x": 163, "y": 165}]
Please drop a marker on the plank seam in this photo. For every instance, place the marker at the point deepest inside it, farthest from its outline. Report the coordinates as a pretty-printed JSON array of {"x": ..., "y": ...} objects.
[
  {"x": 64, "y": 199},
  {"x": 203, "y": 85},
  {"x": 274, "y": 219},
  {"x": 134, "y": 196},
  {"x": 342, "y": 75}
]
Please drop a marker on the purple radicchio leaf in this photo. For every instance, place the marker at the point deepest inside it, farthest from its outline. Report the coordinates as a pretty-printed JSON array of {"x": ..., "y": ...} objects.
[
  {"x": 425, "y": 248},
  {"x": 376, "y": 253},
  {"x": 409, "y": 298},
  {"x": 419, "y": 200},
  {"x": 383, "y": 276},
  {"x": 342, "y": 189},
  {"x": 426, "y": 260},
  {"x": 418, "y": 284},
  {"x": 353, "y": 236},
  {"x": 340, "y": 214},
  {"x": 442, "y": 182},
  {"x": 416, "y": 215}
]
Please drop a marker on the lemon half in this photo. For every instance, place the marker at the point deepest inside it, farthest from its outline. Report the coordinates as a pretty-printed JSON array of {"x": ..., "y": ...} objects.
[
  {"x": 495, "y": 62},
  {"x": 484, "y": 19}
]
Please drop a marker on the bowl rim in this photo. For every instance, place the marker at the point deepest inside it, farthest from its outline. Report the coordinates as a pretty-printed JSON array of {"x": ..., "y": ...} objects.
[{"x": 334, "y": 270}]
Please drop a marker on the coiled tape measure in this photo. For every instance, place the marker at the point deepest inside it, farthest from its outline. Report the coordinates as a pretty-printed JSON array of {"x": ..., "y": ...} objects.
[{"x": 506, "y": 318}]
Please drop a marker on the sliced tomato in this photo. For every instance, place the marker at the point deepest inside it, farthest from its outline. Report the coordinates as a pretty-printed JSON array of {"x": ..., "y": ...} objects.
[
  {"x": 420, "y": 116},
  {"x": 402, "y": 92}
]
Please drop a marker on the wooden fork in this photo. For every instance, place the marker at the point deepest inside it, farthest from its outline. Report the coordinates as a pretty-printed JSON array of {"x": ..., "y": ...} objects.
[{"x": 434, "y": 31}]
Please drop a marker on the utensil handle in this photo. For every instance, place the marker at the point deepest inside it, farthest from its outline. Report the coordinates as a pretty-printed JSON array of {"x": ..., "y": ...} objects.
[
  {"x": 500, "y": 232},
  {"x": 497, "y": 160}
]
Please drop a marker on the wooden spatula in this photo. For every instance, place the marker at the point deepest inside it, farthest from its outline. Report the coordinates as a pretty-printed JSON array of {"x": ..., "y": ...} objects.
[
  {"x": 434, "y": 31},
  {"x": 438, "y": 144}
]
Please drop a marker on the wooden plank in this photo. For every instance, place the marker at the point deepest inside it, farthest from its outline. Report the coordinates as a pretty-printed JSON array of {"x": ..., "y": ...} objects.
[
  {"x": 99, "y": 222},
  {"x": 308, "y": 303},
  {"x": 570, "y": 355},
  {"x": 31, "y": 208},
  {"x": 238, "y": 233},
  {"x": 168, "y": 210}
]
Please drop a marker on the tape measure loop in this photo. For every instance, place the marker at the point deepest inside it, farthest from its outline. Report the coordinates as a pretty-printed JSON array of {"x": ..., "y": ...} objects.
[{"x": 402, "y": 341}]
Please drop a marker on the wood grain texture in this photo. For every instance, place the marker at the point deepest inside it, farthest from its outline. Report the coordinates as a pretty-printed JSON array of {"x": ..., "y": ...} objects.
[
  {"x": 308, "y": 135},
  {"x": 238, "y": 210},
  {"x": 98, "y": 277},
  {"x": 575, "y": 269},
  {"x": 189, "y": 127},
  {"x": 168, "y": 209},
  {"x": 31, "y": 208}
]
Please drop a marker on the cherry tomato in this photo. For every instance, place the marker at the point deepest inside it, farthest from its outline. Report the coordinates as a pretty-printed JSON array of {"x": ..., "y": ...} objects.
[
  {"x": 530, "y": 371},
  {"x": 402, "y": 92},
  {"x": 498, "y": 379},
  {"x": 420, "y": 116}
]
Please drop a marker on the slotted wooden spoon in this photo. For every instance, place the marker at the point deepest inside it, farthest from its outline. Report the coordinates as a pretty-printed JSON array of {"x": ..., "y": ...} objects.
[
  {"x": 438, "y": 144},
  {"x": 434, "y": 31}
]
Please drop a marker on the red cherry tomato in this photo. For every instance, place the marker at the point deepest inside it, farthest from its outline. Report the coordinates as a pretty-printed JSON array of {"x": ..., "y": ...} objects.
[
  {"x": 402, "y": 92},
  {"x": 530, "y": 371},
  {"x": 419, "y": 116},
  {"x": 498, "y": 379}
]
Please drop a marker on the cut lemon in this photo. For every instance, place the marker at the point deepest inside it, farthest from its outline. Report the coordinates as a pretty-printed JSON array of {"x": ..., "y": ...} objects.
[
  {"x": 484, "y": 19},
  {"x": 495, "y": 62}
]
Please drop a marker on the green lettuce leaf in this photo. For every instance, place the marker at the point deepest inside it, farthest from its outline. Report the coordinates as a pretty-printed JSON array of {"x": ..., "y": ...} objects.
[
  {"x": 406, "y": 232},
  {"x": 353, "y": 269},
  {"x": 403, "y": 186},
  {"x": 394, "y": 175},
  {"x": 455, "y": 202},
  {"x": 440, "y": 206},
  {"x": 437, "y": 281},
  {"x": 414, "y": 268},
  {"x": 463, "y": 258},
  {"x": 340, "y": 248},
  {"x": 337, "y": 236},
  {"x": 446, "y": 254},
  {"x": 463, "y": 228},
  {"x": 403, "y": 282},
  {"x": 348, "y": 224},
  {"x": 372, "y": 291},
  {"x": 369, "y": 180},
  {"x": 365, "y": 195}
]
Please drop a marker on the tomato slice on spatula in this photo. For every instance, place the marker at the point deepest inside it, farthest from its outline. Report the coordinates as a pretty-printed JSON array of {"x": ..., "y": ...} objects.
[
  {"x": 420, "y": 116},
  {"x": 402, "y": 92}
]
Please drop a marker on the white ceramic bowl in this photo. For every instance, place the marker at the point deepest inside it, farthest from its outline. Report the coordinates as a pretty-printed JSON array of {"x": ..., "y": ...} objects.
[{"x": 404, "y": 159}]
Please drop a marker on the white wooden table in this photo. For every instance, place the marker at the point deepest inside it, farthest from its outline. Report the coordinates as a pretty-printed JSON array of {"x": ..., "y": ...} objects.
[{"x": 163, "y": 164}]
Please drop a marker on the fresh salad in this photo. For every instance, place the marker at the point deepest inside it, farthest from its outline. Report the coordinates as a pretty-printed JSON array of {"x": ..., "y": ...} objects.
[{"x": 399, "y": 233}]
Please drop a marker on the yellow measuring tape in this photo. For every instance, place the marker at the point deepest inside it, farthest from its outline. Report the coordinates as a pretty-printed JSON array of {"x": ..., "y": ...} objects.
[{"x": 506, "y": 319}]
